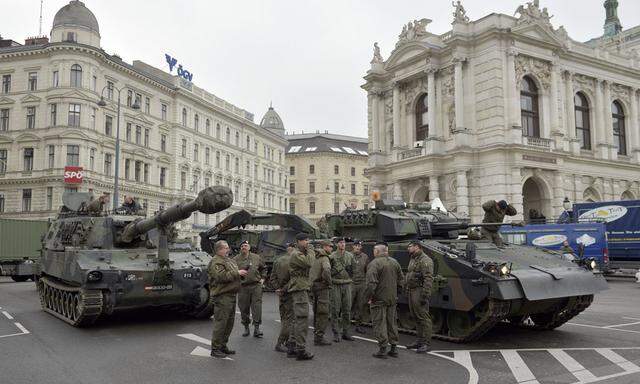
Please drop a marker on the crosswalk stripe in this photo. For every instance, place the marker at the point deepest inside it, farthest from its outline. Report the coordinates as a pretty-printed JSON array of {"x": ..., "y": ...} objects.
[
  {"x": 196, "y": 338},
  {"x": 519, "y": 369},
  {"x": 618, "y": 360},
  {"x": 576, "y": 369}
]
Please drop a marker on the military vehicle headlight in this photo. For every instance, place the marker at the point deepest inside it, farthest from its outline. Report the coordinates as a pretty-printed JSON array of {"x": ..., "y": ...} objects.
[
  {"x": 94, "y": 276},
  {"x": 505, "y": 269},
  {"x": 593, "y": 264}
]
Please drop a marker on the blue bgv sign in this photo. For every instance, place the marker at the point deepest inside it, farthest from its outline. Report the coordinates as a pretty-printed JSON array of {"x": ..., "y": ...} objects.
[{"x": 172, "y": 61}]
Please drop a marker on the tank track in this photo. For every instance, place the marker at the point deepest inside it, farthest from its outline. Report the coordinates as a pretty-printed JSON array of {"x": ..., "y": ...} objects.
[
  {"x": 74, "y": 305},
  {"x": 574, "y": 306}
]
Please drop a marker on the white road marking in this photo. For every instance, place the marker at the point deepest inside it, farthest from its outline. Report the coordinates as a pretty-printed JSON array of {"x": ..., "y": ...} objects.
[
  {"x": 7, "y": 315},
  {"x": 618, "y": 360},
  {"x": 621, "y": 325},
  {"x": 519, "y": 369},
  {"x": 576, "y": 369},
  {"x": 602, "y": 327},
  {"x": 22, "y": 328},
  {"x": 204, "y": 352},
  {"x": 196, "y": 338}
]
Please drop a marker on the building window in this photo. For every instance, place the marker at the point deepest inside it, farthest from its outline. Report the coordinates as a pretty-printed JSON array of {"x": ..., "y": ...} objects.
[
  {"x": 529, "y": 108},
  {"x": 195, "y": 152},
  {"x": 163, "y": 143},
  {"x": 207, "y": 128},
  {"x": 312, "y": 207},
  {"x": 71, "y": 37},
  {"x": 138, "y": 101},
  {"x": 28, "y": 159},
  {"x": 184, "y": 117},
  {"x": 93, "y": 118},
  {"x": 52, "y": 156},
  {"x": 336, "y": 169},
  {"x": 228, "y": 135},
  {"x": 217, "y": 131},
  {"x": 31, "y": 117},
  {"x": 353, "y": 189},
  {"x": 237, "y": 165},
  {"x": 248, "y": 170},
  {"x": 237, "y": 139},
  {"x": 292, "y": 171},
  {"x": 54, "y": 115},
  {"x": 26, "y": 200},
  {"x": 147, "y": 105},
  {"x": 164, "y": 111},
  {"x": 336, "y": 207},
  {"x": 49, "y": 198},
  {"x": 184, "y": 148},
  {"x": 227, "y": 163},
  {"x": 422, "y": 118},
  {"x": 4, "y": 119},
  {"x": 129, "y": 98},
  {"x": 217, "y": 159},
  {"x": 33, "y": 81},
  {"x": 292, "y": 188},
  {"x": 74, "y": 115},
  {"x": 583, "y": 126},
  {"x": 146, "y": 137},
  {"x": 138, "y": 170},
  {"x": 207, "y": 155},
  {"x": 55, "y": 79},
  {"x": 108, "y": 125},
  {"x": 110, "y": 90},
  {"x": 76, "y": 76},
  {"x": 353, "y": 171},
  {"x": 183, "y": 180},
  {"x": 366, "y": 190},
  {"x": 196, "y": 122},
  {"x": 128, "y": 134},
  {"x": 255, "y": 146},
  {"x": 73, "y": 155},
  {"x": 292, "y": 208},
  {"x": 619, "y": 133},
  {"x": 6, "y": 83},
  {"x": 107, "y": 164},
  {"x": 312, "y": 169},
  {"x": 94, "y": 83},
  {"x": 92, "y": 158},
  {"x": 163, "y": 176},
  {"x": 312, "y": 187},
  {"x": 248, "y": 143},
  {"x": 146, "y": 173},
  {"x": 138, "y": 134},
  {"x": 127, "y": 169},
  {"x": 3, "y": 161}
]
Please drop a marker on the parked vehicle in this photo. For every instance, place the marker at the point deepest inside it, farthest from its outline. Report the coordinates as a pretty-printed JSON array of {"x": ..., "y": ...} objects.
[{"x": 20, "y": 247}]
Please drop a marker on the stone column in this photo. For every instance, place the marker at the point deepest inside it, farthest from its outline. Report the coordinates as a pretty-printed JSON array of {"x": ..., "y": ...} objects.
[
  {"x": 558, "y": 193},
  {"x": 570, "y": 120},
  {"x": 459, "y": 92},
  {"x": 608, "y": 122},
  {"x": 434, "y": 187},
  {"x": 431, "y": 102},
  {"x": 375, "y": 132},
  {"x": 600, "y": 121},
  {"x": 462, "y": 192},
  {"x": 634, "y": 135},
  {"x": 383, "y": 137},
  {"x": 396, "y": 114},
  {"x": 397, "y": 190},
  {"x": 553, "y": 100},
  {"x": 514, "y": 119}
]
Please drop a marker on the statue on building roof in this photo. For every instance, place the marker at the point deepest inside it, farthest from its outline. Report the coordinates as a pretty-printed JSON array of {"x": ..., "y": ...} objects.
[
  {"x": 413, "y": 30},
  {"x": 377, "y": 57},
  {"x": 532, "y": 13},
  {"x": 459, "y": 14}
]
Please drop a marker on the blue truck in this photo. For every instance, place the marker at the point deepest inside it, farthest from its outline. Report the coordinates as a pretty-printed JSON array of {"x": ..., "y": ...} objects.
[{"x": 588, "y": 240}]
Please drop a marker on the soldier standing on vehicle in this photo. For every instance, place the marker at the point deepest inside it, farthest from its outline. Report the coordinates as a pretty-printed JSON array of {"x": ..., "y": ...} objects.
[
  {"x": 250, "y": 295},
  {"x": 224, "y": 283},
  {"x": 342, "y": 267},
  {"x": 320, "y": 274},
  {"x": 494, "y": 212},
  {"x": 97, "y": 206},
  {"x": 419, "y": 281},
  {"x": 298, "y": 287},
  {"x": 384, "y": 280},
  {"x": 358, "y": 307},
  {"x": 279, "y": 279}
]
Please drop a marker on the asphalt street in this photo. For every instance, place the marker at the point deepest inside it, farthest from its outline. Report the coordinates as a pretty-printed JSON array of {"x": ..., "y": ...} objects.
[{"x": 602, "y": 345}]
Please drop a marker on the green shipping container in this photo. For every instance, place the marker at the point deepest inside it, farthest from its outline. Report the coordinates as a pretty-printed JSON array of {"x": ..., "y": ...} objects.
[{"x": 21, "y": 239}]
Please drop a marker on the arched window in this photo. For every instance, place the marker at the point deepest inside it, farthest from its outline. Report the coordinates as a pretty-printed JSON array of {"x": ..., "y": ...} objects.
[
  {"x": 237, "y": 139},
  {"x": 248, "y": 142},
  {"x": 76, "y": 76},
  {"x": 228, "y": 137},
  {"x": 529, "y": 108},
  {"x": 583, "y": 127},
  {"x": 422, "y": 118},
  {"x": 196, "y": 122},
  {"x": 207, "y": 125},
  {"x": 218, "y": 131},
  {"x": 184, "y": 117},
  {"x": 619, "y": 134}
]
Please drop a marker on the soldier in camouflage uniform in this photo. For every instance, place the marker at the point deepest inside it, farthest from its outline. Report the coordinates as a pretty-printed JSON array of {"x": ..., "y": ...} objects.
[
  {"x": 97, "y": 206},
  {"x": 320, "y": 274},
  {"x": 279, "y": 279},
  {"x": 298, "y": 287},
  {"x": 224, "y": 283},
  {"x": 494, "y": 212},
  {"x": 342, "y": 267},
  {"x": 419, "y": 281},
  {"x": 358, "y": 306},
  {"x": 384, "y": 280},
  {"x": 250, "y": 295}
]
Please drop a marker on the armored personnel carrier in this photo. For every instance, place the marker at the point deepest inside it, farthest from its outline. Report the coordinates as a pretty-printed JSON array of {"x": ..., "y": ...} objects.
[
  {"x": 94, "y": 264},
  {"x": 476, "y": 284}
]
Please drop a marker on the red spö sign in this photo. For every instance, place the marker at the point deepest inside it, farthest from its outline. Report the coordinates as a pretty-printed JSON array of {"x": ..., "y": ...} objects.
[{"x": 73, "y": 175}]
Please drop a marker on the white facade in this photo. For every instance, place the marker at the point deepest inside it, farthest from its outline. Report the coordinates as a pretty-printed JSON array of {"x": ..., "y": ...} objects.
[
  {"x": 465, "y": 88},
  {"x": 180, "y": 140}
]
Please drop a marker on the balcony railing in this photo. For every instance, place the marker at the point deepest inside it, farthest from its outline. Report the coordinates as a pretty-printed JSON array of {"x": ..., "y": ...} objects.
[
  {"x": 538, "y": 142},
  {"x": 415, "y": 152}
]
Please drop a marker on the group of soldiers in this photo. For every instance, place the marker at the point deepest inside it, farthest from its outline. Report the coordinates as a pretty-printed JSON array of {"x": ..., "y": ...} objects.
[{"x": 334, "y": 283}]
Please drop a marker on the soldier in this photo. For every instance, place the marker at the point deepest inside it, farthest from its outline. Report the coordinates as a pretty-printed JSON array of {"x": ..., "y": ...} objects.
[
  {"x": 279, "y": 279},
  {"x": 97, "y": 206},
  {"x": 298, "y": 287},
  {"x": 224, "y": 282},
  {"x": 494, "y": 212},
  {"x": 359, "y": 285},
  {"x": 384, "y": 280},
  {"x": 320, "y": 274},
  {"x": 130, "y": 206},
  {"x": 250, "y": 295},
  {"x": 418, "y": 283},
  {"x": 342, "y": 267}
]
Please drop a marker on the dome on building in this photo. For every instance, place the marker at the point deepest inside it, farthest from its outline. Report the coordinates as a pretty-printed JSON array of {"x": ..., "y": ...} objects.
[
  {"x": 75, "y": 14},
  {"x": 272, "y": 121}
]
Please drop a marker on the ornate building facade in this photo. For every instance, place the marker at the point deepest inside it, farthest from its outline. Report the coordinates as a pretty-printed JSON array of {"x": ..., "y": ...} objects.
[
  {"x": 180, "y": 139},
  {"x": 506, "y": 108}
]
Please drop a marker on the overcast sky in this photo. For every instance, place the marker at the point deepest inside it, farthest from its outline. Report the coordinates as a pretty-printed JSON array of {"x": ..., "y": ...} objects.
[{"x": 307, "y": 56}]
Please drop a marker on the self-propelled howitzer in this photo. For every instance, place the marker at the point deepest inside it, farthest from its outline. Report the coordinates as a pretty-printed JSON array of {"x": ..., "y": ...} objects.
[{"x": 94, "y": 264}]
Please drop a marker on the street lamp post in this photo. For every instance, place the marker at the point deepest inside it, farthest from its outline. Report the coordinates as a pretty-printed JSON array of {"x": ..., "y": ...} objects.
[{"x": 103, "y": 104}]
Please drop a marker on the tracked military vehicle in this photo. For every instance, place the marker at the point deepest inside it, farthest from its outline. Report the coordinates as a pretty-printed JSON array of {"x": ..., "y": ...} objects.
[
  {"x": 94, "y": 263},
  {"x": 477, "y": 285}
]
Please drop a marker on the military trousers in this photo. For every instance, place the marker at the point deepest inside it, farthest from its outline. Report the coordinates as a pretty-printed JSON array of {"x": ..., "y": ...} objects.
[
  {"x": 286, "y": 316},
  {"x": 320, "y": 312},
  {"x": 358, "y": 306},
  {"x": 385, "y": 326},
  {"x": 250, "y": 303},
  {"x": 224, "y": 313},
  {"x": 340, "y": 308},
  {"x": 491, "y": 235},
  {"x": 300, "y": 304},
  {"x": 419, "y": 308}
]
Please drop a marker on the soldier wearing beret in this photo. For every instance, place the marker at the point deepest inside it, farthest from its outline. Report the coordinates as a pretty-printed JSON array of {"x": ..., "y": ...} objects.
[
  {"x": 279, "y": 279},
  {"x": 419, "y": 281},
  {"x": 250, "y": 295},
  {"x": 342, "y": 267},
  {"x": 358, "y": 306},
  {"x": 320, "y": 287},
  {"x": 298, "y": 287}
]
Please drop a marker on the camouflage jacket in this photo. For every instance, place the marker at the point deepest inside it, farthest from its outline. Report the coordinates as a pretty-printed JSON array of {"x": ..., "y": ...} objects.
[
  {"x": 420, "y": 273},
  {"x": 223, "y": 276},
  {"x": 342, "y": 267},
  {"x": 299, "y": 265},
  {"x": 493, "y": 215},
  {"x": 320, "y": 272},
  {"x": 280, "y": 272},
  {"x": 360, "y": 270},
  {"x": 384, "y": 280},
  {"x": 254, "y": 265}
]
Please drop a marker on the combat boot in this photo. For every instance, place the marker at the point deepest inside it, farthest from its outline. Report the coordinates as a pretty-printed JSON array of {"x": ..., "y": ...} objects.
[
  {"x": 360, "y": 330},
  {"x": 304, "y": 355},
  {"x": 415, "y": 345},
  {"x": 423, "y": 348},
  {"x": 257, "y": 332},
  {"x": 382, "y": 353},
  {"x": 291, "y": 350},
  {"x": 218, "y": 354},
  {"x": 226, "y": 350},
  {"x": 321, "y": 342},
  {"x": 336, "y": 337},
  {"x": 393, "y": 352},
  {"x": 247, "y": 331},
  {"x": 280, "y": 348},
  {"x": 346, "y": 336}
]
